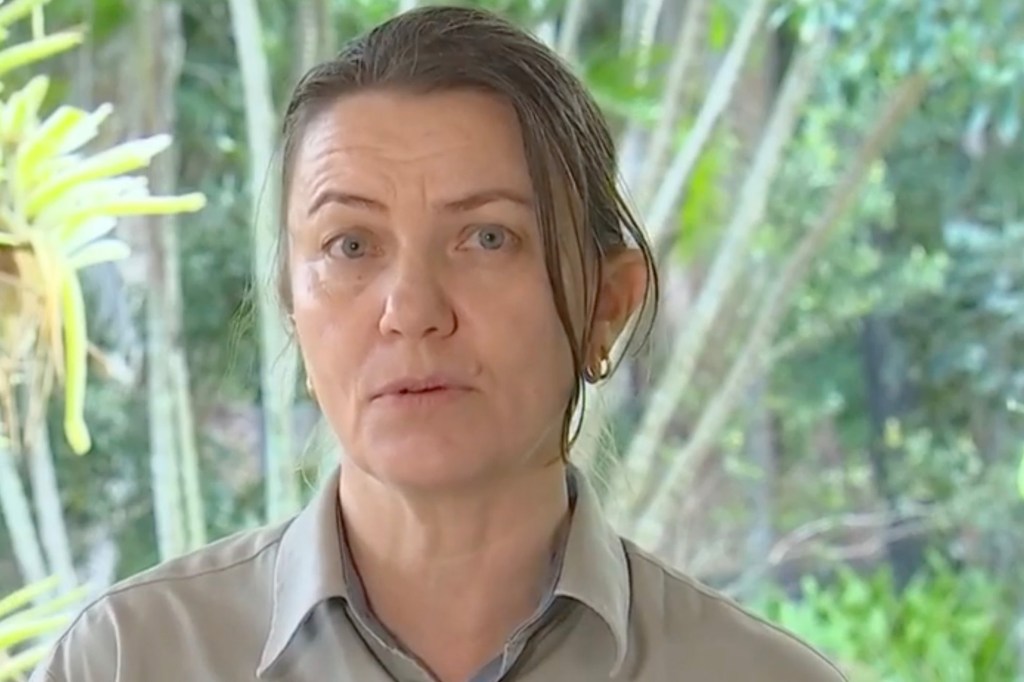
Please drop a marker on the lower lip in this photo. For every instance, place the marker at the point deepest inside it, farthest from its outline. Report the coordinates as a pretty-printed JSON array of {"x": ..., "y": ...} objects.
[{"x": 413, "y": 399}]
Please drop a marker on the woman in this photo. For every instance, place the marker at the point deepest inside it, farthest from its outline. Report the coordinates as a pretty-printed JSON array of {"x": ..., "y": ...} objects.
[{"x": 456, "y": 261}]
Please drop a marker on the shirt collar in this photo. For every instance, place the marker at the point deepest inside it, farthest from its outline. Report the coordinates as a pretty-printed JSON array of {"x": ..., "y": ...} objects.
[
  {"x": 309, "y": 567},
  {"x": 308, "y": 570},
  {"x": 594, "y": 568}
]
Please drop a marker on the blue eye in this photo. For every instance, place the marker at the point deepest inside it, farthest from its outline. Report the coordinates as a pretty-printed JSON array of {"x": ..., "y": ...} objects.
[
  {"x": 491, "y": 237},
  {"x": 348, "y": 246}
]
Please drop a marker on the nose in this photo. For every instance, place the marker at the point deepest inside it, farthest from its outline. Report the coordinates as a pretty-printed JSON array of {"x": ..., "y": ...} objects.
[{"x": 416, "y": 304}]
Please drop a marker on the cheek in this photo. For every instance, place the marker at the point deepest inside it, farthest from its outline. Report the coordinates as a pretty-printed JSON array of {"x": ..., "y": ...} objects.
[
  {"x": 324, "y": 322},
  {"x": 520, "y": 323}
]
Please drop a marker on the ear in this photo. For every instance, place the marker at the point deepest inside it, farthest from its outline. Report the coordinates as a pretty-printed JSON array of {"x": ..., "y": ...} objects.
[{"x": 619, "y": 295}]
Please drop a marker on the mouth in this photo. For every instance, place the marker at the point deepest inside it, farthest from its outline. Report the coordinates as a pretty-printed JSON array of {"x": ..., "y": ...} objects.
[{"x": 419, "y": 388}]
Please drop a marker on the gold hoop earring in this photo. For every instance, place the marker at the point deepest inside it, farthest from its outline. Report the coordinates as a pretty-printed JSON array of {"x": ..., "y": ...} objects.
[
  {"x": 604, "y": 368},
  {"x": 309, "y": 387}
]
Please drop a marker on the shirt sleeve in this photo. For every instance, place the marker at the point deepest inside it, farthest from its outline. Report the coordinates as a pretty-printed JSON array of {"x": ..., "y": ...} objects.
[{"x": 89, "y": 651}]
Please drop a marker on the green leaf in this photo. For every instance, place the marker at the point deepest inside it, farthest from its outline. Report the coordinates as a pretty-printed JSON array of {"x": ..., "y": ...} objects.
[
  {"x": 36, "y": 50},
  {"x": 80, "y": 197},
  {"x": 27, "y": 595},
  {"x": 22, "y": 109},
  {"x": 75, "y": 357},
  {"x": 86, "y": 232},
  {"x": 188, "y": 203},
  {"x": 13, "y": 668},
  {"x": 43, "y": 142},
  {"x": 18, "y": 10},
  {"x": 18, "y": 632},
  {"x": 118, "y": 160},
  {"x": 720, "y": 25},
  {"x": 102, "y": 251}
]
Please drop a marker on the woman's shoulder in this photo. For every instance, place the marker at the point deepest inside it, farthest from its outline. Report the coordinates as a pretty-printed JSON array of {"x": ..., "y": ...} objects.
[
  {"x": 217, "y": 588},
  {"x": 713, "y": 634},
  {"x": 240, "y": 550}
]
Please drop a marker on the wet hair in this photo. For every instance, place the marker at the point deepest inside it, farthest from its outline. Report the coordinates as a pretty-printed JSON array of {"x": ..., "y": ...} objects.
[{"x": 567, "y": 142}]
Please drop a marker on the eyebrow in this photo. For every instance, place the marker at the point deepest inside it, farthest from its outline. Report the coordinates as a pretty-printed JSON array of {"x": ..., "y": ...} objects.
[{"x": 461, "y": 205}]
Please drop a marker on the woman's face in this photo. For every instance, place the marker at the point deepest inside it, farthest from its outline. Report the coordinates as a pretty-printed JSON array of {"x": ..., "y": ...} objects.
[{"x": 421, "y": 298}]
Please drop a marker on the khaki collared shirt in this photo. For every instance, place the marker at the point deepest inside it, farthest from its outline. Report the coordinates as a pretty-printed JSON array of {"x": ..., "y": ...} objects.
[{"x": 281, "y": 603}]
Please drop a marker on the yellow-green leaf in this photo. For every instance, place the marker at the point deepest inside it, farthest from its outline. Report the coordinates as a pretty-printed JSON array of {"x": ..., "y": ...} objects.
[
  {"x": 115, "y": 161},
  {"x": 14, "y": 667},
  {"x": 36, "y": 50},
  {"x": 76, "y": 355},
  {"x": 22, "y": 109},
  {"x": 57, "y": 215},
  {"x": 25, "y": 104},
  {"x": 17, "y": 10},
  {"x": 28, "y": 594},
  {"x": 42, "y": 142},
  {"x": 51, "y": 605},
  {"x": 86, "y": 232},
  {"x": 50, "y": 285},
  {"x": 187, "y": 203},
  {"x": 86, "y": 130},
  {"x": 101, "y": 251},
  {"x": 24, "y": 631}
]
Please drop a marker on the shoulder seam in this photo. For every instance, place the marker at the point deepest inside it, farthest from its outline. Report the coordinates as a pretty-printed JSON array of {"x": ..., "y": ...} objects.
[
  {"x": 732, "y": 604},
  {"x": 198, "y": 574},
  {"x": 782, "y": 631},
  {"x": 155, "y": 581}
]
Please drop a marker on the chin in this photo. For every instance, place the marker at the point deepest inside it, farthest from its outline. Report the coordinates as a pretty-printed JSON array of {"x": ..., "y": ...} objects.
[{"x": 419, "y": 464}]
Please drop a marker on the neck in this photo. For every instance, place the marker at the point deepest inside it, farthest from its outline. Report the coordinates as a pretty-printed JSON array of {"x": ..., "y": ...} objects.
[{"x": 475, "y": 562}]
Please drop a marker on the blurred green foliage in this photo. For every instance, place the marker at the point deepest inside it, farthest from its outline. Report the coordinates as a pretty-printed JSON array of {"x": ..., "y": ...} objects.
[{"x": 948, "y": 624}]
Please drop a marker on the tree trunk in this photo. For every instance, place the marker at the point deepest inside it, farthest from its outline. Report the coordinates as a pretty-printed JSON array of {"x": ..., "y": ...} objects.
[
  {"x": 171, "y": 59},
  {"x": 49, "y": 512},
  {"x": 28, "y": 553},
  {"x": 659, "y": 215},
  {"x": 763, "y": 459},
  {"x": 873, "y": 337},
  {"x": 726, "y": 269},
  {"x": 572, "y": 26},
  {"x": 161, "y": 54},
  {"x": 314, "y": 35},
  {"x": 683, "y": 56},
  {"x": 277, "y": 356},
  {"x": 750, "y": 362}
]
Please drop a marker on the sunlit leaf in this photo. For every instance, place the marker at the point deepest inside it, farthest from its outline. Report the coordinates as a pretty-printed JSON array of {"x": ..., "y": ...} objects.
[
  {"x": 37, "y": 50},
  {"x": 43, "y": 142},
  {"x": 102, "y": 251},
  {"x": 118, "y": 160},
  {"x": 16, "y": 10},
  {"x": 188, "y": 203},
  {"x": 45, "y": 616},
  {"x": 87, "y": 231},
  {"x": 86, "y": 130},
  {"x": 13, "y": 668},
  {"x": 26, "y": 595},
  {"x": 50, "y": 277},
  {"x": 23, "y": 108},
  {"x": 76, "y": 354},
  {"x": 19, "y": 631},
  {"x": 43, "y": 154},
  {"x": 84, "y": 195}
]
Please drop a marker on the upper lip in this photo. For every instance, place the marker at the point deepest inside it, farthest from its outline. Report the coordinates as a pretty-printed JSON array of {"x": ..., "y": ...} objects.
[{"x": 421, "y": 383}]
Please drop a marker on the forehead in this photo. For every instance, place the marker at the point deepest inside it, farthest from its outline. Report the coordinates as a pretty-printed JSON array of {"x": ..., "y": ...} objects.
[{"x": 443, "y": 139}]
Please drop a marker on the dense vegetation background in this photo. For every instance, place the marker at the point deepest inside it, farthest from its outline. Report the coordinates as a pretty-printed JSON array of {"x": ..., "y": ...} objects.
[{"x": 826, "y": 423}]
